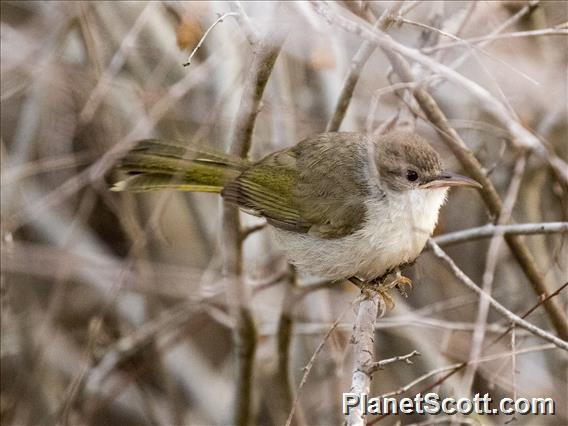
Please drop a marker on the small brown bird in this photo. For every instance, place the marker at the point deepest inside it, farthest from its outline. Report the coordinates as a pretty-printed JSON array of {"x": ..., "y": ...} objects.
[{"x": 341, "y": 205}]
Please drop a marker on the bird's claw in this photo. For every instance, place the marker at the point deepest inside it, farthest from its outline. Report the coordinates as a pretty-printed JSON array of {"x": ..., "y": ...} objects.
[
  {"x": 386, "y": 296},
  {"x": 383, "y": 285},
  {"x": 401, "y": 283}
]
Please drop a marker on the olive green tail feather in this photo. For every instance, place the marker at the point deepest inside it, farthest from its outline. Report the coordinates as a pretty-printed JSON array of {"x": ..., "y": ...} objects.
[{"x": 157, "y": 164}]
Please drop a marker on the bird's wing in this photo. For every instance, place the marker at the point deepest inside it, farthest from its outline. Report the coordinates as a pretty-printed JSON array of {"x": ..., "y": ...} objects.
[{"x": 316, "y": 187}]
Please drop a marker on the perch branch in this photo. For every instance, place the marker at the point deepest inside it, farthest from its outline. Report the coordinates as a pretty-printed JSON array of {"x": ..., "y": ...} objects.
[{"x": 371, "y": 306}]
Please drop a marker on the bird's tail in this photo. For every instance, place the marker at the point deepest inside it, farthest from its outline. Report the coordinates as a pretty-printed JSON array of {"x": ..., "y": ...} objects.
[{"x": 158, "y": 164}]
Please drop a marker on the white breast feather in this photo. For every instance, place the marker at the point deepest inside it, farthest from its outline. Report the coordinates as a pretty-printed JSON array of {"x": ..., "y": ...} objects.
[{"x": 394, "y": 232}]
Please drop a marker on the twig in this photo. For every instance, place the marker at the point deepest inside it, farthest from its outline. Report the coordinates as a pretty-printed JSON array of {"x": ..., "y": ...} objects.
[
  {"x": 452, "y": 367},
  {"x": 284, "y": 377},
  {"x": 466, "y": 363},
  {"x": 380, "y": 365},
  {"x": 311, "y": 362},
  {"x": 493, "y": 37},
  {"x": 206, "y": 33},
  {"x": 530, "y": 311},
  {"x": 370, "y": 307},
  {"x": 471, "y": 46},
  {"x": 490, "y": 229},
  {"x": 518, "y": 321},
  {"x": 170, "y": 321},
  {"x": 357, "y": 64},
  {"x": 526, "y": 10},
  {"x": 115, "y": 65},
  {"x": 244, "y": 334},
  {"x": 491, "y": 260}
]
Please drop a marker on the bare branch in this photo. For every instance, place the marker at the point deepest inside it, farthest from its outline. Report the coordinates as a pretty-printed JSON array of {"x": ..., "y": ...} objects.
[
  {"x": 493, "y": 37},
  {"x": 244, "y": 334},
  {"x": 170, "y": 321},
  {"x": 471, "y": 46},
  {"x": 490, "y": 229},
  {"x": 461, "y": 364},
  {"x": 311, "y": 362},
  {"x": 205, "y": 34},
  {"x": 491, "y": 260},
  {"x": 285, "y": 389},
  {"x": 357, "y": 64},
  {"x": 371, "y": 307},
  {"x": 463, "y": 278},
  {"x": 380, "y": 365}
]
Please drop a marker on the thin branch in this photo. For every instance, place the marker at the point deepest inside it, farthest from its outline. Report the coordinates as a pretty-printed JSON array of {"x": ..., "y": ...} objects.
[
  {"x": 491, "y": 261},
  {"x": 522, "y": 13},
  {"x": 471, "y": 46},
  {"x": 206, "y": 33},
  {"x": 407, "y": 359},
  {"x": 518, "y": 321},
  {"x": 284, "y": 377},
  {"x": 492, "y": 37},
  {"x": 170, "y": 321},
  {"x": 452, "y": 367},
  {"x": 490, "y": 229},
  {"x": 357, "y": 64},
  {"x": 310, "y": 364},
  {"x": 115, "y": 65},
  {"x": 244, "y": 334}
]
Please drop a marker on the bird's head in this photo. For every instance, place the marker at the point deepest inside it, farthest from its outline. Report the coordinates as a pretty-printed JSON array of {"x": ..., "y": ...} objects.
[{"x": 405, "y": 161}]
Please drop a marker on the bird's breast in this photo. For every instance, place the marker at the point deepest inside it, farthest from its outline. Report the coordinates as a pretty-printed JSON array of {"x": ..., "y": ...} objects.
[{"x": 395, "y": 231}]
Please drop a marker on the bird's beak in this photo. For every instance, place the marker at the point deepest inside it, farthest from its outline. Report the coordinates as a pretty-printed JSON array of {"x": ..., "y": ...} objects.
[{"x": 446, "y": 179}]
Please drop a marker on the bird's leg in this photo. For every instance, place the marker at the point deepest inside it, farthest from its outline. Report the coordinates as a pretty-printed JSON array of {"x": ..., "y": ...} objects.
[
  {"x": 400, "y": 282},
  {"x": 385, "y": 283},
  {"x": 377, "y": 285},
  {"x": 393, "y": 279}
]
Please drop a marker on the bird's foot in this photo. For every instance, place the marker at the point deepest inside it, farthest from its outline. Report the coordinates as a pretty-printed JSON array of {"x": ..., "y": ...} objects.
[
  {"x": 384, "y": 291},
  {"x": 383, "y": 285},
  {"x": 386, "y": 283},
  {"x": 402, "y": 284}
]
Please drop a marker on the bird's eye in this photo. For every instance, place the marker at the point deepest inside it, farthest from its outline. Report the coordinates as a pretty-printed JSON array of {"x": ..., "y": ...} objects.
[{"x": 411, "y": 175}]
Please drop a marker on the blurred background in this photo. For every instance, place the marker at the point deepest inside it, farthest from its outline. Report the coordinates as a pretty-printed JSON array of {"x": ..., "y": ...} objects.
[{"x": 114, "y": 310}]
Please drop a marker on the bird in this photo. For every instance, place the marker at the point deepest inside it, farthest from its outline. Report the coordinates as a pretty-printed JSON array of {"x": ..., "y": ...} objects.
[{"x": 341, "y": 205}]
